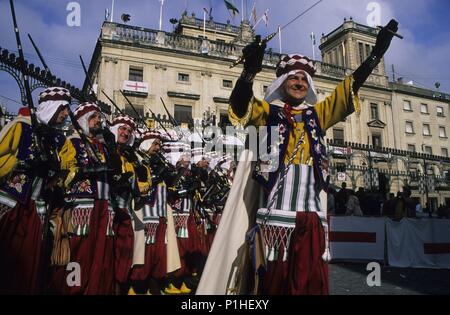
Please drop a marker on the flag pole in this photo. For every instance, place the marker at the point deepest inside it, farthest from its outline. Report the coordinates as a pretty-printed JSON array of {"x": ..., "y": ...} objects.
[
  {"x": 257, "y": 22},
  {"x": 160, "y": 14},
  {"x": 204, "y": 23},
  {"x": 279, "y": 37},
  {"x": 112, "y": 11}
]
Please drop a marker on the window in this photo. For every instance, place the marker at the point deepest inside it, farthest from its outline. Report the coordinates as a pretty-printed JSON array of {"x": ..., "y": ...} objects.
[
  {"x": 376, "y": 140},
  {"x": 407, "y": 105},
  {"x": 424, "y": 108},
  {"x": 227, "y": 83},
  {"x": 368, "y": 49},
  {"x": 224, "y": 121},
  {"x": 183, "y": 77},
  {"x": 411, "y": 148},
  {"x": 428, "y": 150},
  {"x": 265, "y": 87},
  {"x": 220, "y": 40},
  {"x": 440, "y": 111},
  {"x": 183, "y": 113},
  {"x": 136, "y": 74},
  {"x": 373, "y": 111},
  {"x": 338, "y": 135},
  {"x": 130, "y": 112},
  {"x": 442, "y": 133},
  {"x": 376, "y": 69},
  {"x": 361, "y": 53},
  {"x": 444, "y": 152},
  {"x": 426, "y": 130},
  {"x": 409, "y": 127}
]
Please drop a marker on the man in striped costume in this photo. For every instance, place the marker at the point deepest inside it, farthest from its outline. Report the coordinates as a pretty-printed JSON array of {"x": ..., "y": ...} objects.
[
  {"x": 89, "y": 221},
  {"x": 290, "y": 218},
  {"x": 25, "y": 195},
  {"x": 129, "y": 183},
  {"x": 150, "y": 276}
]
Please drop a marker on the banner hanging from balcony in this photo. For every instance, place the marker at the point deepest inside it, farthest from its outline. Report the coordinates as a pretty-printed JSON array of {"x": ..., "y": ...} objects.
[{"x": 135, "y": 87}]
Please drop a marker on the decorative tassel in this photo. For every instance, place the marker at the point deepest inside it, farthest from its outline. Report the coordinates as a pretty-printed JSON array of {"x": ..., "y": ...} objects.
[
  {"x": 285, "y": 254},
  {"x": 271, "y": 254},
  {"x": 61, "y": 250}
]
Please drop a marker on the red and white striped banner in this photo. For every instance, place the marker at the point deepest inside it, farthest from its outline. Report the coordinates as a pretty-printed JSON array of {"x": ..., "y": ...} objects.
[
  {"x": 357, "y": 238},
  {"x": 419, "y": 243}
]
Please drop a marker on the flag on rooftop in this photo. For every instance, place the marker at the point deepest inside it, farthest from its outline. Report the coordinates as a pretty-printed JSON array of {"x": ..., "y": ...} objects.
[{"x": 231, "y": 8}]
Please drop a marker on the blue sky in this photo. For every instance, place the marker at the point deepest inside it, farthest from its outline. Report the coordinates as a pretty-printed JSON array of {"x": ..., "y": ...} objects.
[{"x": 423, "y": 56}]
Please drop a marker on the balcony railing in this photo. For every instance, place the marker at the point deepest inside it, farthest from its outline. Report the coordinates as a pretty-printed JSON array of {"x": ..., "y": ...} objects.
[
  {"x": 149, "y": 37},
  {"x": 194, "y": 45}
]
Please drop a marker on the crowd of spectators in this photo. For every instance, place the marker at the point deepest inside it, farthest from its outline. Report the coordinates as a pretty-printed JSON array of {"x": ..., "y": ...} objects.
[{"x": 346, "y": 201}]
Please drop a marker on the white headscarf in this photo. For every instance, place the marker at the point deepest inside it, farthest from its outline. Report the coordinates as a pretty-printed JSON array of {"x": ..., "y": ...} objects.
[
  {"x": 50, "y": 100},
  {"x": 123, "y": 121},
  {"x": 83, "y": 113},
  {"x": 148, "y": 138},
  {"x": 275, "y": 90}
]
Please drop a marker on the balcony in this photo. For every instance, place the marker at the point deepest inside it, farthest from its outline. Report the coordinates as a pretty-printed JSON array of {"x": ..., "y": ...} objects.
[
  {"x": 143, "y": 37},
  {"x": 154, "y": 39}
]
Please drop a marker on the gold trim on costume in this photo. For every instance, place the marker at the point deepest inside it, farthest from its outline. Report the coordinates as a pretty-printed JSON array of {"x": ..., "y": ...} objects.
[{"x": 244, "y": 120}]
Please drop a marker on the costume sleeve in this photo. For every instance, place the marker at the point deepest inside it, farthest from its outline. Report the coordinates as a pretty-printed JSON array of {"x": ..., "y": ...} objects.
[
  {"x": 256, "y": 115},
  {"x": 341, "y": 103},
  {"x": 9, "y": 145},
  {"x": 144, "y": 187},
  {"x": 67, "y": 155}
]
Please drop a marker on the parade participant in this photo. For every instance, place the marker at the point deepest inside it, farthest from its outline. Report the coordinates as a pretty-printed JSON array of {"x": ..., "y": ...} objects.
[
  {"x": 129, "y": 183},
  {"x": 149, "y": 277},
  {"x": 181, "y": 195},
  {"x": 27, "y": 191},
  {"x": 290, "y": 220},
  {"x": 91, "y": 216}
]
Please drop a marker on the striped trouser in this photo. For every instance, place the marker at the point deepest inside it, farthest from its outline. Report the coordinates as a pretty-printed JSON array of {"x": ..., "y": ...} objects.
[
  {"x": 153, "y": 211},
  {"x": 158, "y": 206},
  {"x": 296, "y": 194}
]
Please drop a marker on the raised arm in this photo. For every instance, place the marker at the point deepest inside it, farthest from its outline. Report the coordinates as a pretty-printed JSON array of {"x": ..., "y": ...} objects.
[
  {"x": 242, "y": 92},
  {"x": 384, "y": 39}
]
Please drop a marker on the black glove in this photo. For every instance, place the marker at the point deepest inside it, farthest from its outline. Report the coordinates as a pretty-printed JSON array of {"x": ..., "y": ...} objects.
[
  {"x": 43, "y": 131},
  {"x": 254, "y": 55},
  {"x": 38, "y": 167},
  {"x": 128, "y": 153},
  {"x": 110, "y": 139},
  {"x": 384, "y": 38},
  {"x": 114, "y": 162},
  {"x": 121, "y": 183},
  {"x": 141, "y": 172}
]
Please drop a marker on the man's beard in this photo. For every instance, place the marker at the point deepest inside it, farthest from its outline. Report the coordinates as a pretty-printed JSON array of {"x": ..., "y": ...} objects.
[{"x": 95, "y": 130}]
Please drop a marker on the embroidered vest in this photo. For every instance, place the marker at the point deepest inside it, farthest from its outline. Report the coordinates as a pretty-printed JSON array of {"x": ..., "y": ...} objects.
[
  {"x": 87, "y": 186},
  {"x": 277, "y": 118},
  {"x": 20, "y": 184}
]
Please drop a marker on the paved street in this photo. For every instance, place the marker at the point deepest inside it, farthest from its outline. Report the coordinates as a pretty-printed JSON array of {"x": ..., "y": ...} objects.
[{"x": 350, "y": 279}]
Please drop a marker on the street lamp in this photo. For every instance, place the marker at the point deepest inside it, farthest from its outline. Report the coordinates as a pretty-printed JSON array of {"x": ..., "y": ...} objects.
[{"x": 425, "y": 178}]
